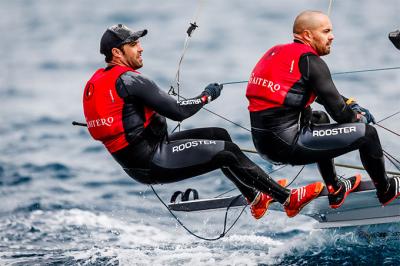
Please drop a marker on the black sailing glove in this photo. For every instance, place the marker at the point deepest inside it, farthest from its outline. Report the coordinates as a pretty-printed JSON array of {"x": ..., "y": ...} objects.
[{"x": 211, "y": 92}]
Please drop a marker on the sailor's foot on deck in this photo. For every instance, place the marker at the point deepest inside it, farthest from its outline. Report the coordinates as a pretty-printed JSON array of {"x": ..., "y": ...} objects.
[
  {"x": 392, "y": 192},
  {"x": 348, "y": 185},
  {"x": 300, "y": 197},
  {"x": 262, "y": 201}
]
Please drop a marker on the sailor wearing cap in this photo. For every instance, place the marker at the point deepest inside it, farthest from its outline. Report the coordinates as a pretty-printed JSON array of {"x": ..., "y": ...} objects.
[{"x": 127, "y": 112}]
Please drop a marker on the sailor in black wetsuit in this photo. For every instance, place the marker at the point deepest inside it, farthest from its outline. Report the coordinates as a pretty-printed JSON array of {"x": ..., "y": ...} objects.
[
  {"x": 127, "y": 112},
  {"x": 283, "y": 84}
]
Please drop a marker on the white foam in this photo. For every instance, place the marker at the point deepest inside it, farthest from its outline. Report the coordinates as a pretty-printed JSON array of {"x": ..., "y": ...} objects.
[{"x": 137, "y": 242}]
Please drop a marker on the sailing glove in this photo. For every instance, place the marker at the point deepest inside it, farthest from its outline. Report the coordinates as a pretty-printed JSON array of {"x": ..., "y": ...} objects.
[
  {"x": 212, "y": 91},
  {"x": 364, "y": 112},
  {"x": 361, "y": 118}
]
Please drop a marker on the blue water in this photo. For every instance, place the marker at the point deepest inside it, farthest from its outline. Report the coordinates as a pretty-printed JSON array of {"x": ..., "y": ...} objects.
[{"x": 64, "y": 201}]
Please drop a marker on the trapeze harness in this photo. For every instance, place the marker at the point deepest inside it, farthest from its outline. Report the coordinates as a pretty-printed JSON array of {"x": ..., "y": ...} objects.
[
  {"x": 127, "y": 112},
  {"x": 283, "y": 84}
]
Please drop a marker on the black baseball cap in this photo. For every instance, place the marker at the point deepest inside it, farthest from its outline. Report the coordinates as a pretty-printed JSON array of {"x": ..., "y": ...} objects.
[{"x": 117, "y": 35}]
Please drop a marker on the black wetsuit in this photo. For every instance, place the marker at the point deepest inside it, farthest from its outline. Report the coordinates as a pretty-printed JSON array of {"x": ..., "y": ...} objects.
[
  {"x": 154, "y": 157},
  {"x": 301, "y": 136}
]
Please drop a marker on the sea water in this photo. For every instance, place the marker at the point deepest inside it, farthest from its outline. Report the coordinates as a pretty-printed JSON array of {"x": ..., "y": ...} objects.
[{"x": 64, "y": 201}]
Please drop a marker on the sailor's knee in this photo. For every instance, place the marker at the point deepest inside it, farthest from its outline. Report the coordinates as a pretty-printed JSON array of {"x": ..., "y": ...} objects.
[
  {"x": 370, "y": 131},
  {"x": 320, "y": 117},
  {"x": 222, "y": 134},
  {"x": 232, "y": 147}
]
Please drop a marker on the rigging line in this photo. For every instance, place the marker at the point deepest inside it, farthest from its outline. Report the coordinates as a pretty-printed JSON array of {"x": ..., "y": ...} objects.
[
  {"x": 178, "y": 125},
  {"x": 296, "y": 176},
  {"x": 336, "y": 164},
  {"x": 395, "y": 165},
  {"x": 366, "y": 70},
  {"x": 385, "y": 118},
  {"x": 233, "y": 82},
  {"x": 226, "y": 192},
  {"x": 226, "y": 119},
  {"x": 224, "y": 232},
  {"x": 362, "y": 168},
  {"x": 391, "y": 131},
  {"x": 189, "y": 32},
  {"x": 236, "y": 124},
  {"x": 222, "y": 117},
  {"x": 336, "y": 73},
  {"x": 391, "y": 156},
  {"x": 392, "y": 159},
  {"x": 277, "y": 169},
  {"x": 330, "y": 8}
]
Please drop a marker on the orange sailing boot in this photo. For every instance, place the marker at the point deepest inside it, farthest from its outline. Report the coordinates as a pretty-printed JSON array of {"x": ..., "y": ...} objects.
[
  {"x": 262, "y": 201},
  {"x": 300, "y": 197}
]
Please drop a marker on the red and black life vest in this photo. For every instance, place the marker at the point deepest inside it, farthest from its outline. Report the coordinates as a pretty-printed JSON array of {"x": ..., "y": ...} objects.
[
  {"x": 276, "y": 80},
  {"x": 103, "y": 107}
]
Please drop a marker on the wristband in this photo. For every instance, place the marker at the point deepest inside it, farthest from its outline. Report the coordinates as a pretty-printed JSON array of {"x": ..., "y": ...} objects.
[
  {"x": 350, "y": 101},
  {"x": 206, "y": 99}
]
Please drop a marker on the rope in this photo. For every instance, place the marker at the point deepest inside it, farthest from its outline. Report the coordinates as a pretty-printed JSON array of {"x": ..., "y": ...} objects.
[
  {"x": 226, "y": 192},
  {"x": 226, "y": 119},
  {"x": 296, "y": 175},
  {"x": 333, "y": 74},
  {"x": 391, "y": 131},
  {"x": 189, "y": 32},
  {"x": 366, "y": 70},
  {"x": 387, "y": 117},
  {"x": 330, "y": 8},
  {"x": 336, "y": 164},
  {"x": 224, "y": 231},
  {"x": 222, "y": 117},
  {"x": 392, "y": 159}
]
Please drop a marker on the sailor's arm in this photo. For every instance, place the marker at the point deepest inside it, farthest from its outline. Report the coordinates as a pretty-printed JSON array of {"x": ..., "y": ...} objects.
[
  {"x": 140, "y": 87},
  {"x": 318, "y": 76}
]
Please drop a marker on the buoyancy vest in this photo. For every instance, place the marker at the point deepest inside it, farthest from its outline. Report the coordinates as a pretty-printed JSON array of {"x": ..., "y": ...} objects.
[
  {"x": 276, "y": 80},
  {"x": 103, "y": 108}
]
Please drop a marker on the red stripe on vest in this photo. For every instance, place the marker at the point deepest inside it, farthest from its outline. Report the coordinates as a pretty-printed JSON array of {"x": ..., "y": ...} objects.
[
  {"x": 103, "y": 107},
  {"x": 274, "y": 75}
]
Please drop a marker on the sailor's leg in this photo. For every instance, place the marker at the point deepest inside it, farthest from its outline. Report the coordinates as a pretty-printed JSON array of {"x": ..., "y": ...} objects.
[
  {"x": 326, "y": 167},
  {"x": 319, "y": 117},
  {"x": 250, "y": 174},
  {"x": 181, "y": 159},
  {"x": 328, "y": 173},
  {"x": 329, "y": 141},
  {"x": 371, "y": 155},
  {"x": 250, "y": 192},
  {"x": 215, "y": 133}
]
